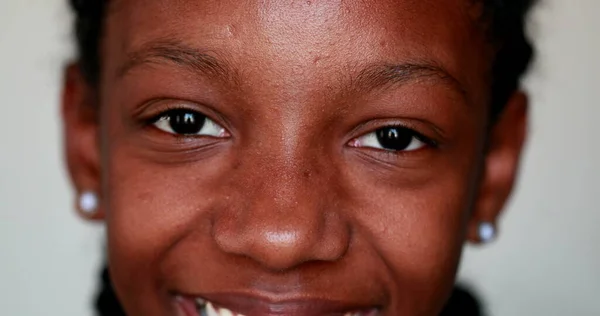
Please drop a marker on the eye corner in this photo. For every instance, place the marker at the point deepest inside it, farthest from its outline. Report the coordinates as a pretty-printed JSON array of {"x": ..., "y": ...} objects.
[{"x": 354, "y": 142}]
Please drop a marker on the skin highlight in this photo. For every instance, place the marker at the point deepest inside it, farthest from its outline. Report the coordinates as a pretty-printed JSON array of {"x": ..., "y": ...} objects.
[{"x": 287, "y": 204}]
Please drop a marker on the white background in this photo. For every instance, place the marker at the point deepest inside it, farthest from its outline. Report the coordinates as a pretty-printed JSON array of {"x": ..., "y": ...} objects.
[{"x": 547, "y": 261}]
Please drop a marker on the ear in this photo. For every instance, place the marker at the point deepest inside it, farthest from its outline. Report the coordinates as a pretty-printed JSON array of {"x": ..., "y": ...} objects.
[
  {"x": 501, "y": 164},
  {"x": 81, "y": 136}
]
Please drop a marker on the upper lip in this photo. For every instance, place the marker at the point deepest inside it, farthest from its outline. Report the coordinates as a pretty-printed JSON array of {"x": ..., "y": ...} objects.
[{"x": 256, "y": 305}]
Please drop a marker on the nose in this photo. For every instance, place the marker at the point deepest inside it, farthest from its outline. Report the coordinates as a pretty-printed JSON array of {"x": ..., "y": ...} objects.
[{"x": 283, "y": 216}]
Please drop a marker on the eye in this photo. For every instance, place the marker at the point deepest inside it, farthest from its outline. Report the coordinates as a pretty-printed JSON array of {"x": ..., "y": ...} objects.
[
  {"x": 188, "y": 122},
  {"x": 391, "y": 138}
]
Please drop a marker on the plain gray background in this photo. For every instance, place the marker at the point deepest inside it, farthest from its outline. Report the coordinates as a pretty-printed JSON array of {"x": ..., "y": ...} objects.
[{"x": 546, "y": 262}]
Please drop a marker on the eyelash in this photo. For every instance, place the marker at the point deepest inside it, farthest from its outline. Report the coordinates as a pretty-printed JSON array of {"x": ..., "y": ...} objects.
[
  {"x": 152, "y": 119},
  {"x": 429, "y": 142}
]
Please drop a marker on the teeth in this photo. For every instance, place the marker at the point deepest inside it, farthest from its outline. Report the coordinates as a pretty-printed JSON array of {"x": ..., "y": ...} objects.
[
  {"x": 224, "y": 312},
  {"x": 200, "y": 302},
  {"x": 208, "y": 309}
]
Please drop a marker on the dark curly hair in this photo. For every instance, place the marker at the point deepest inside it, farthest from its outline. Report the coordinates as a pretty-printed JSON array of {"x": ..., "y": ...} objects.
[{"x": 505, "y": 21}]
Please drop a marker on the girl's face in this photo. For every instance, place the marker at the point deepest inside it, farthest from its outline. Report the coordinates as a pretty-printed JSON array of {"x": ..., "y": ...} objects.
[{"x": 291, "y": 157}]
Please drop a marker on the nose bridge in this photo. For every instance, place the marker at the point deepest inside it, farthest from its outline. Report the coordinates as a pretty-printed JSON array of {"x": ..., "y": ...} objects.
[
  {"x": 285, "y": 165},
  {"x": 286, "y": 215}
]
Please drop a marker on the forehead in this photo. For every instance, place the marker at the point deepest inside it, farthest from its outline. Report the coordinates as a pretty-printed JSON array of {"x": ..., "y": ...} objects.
[{"x": 282, "y": 37}]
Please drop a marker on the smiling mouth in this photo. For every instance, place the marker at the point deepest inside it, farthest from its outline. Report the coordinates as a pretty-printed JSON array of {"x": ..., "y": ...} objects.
[{"x": 203, "y": 307}]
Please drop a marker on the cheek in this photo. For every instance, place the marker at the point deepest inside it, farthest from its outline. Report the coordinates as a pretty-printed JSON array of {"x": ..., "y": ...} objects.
[
  {"x": 417, "y": 228},
  {"x": 151, "y": 206}
]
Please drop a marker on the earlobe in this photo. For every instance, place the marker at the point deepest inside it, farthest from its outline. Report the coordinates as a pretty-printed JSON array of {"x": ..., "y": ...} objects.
[
  {"x": 81, "y": 139},
  {"x": 500, "y": 167},
  {"x": 89, "y": 205}
]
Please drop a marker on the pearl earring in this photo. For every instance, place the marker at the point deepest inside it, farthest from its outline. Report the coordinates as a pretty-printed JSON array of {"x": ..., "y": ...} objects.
[
  {"x": 487, "y": 232},
  {"x": 88, "y": 202}
]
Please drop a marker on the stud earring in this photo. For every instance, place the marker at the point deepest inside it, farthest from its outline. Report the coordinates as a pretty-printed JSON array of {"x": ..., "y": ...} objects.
[
  {"x": 487, "y": 232},
  {"x": 88, "y": 202}
]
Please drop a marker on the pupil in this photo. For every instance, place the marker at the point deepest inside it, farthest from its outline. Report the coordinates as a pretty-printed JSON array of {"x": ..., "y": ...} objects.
[
  {"x": 186, "y": 122},
  {"x": 394, "y": 138}
]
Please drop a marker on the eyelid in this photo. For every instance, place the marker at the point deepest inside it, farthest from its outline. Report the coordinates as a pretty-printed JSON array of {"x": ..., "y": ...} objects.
[
  {"x": 427, "y": 142},
  {"x": 157, "y": 114},
  {"x": 154, "y": 109},
  {"x": 432, "y": 137}
]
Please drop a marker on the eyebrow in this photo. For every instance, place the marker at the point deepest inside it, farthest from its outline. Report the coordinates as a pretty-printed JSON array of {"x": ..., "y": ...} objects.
[
  {"x": 174, "y": 52},
  {"x": 372, "y": 77},
  {"x": 384, "y": 75}
]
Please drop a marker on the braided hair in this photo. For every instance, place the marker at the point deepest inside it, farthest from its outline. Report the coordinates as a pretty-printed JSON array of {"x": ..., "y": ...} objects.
[{"x": 505, "y": 20}]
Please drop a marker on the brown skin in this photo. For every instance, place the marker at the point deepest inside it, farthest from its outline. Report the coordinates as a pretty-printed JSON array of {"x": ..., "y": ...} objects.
[{"x": 284, "y": 206}]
